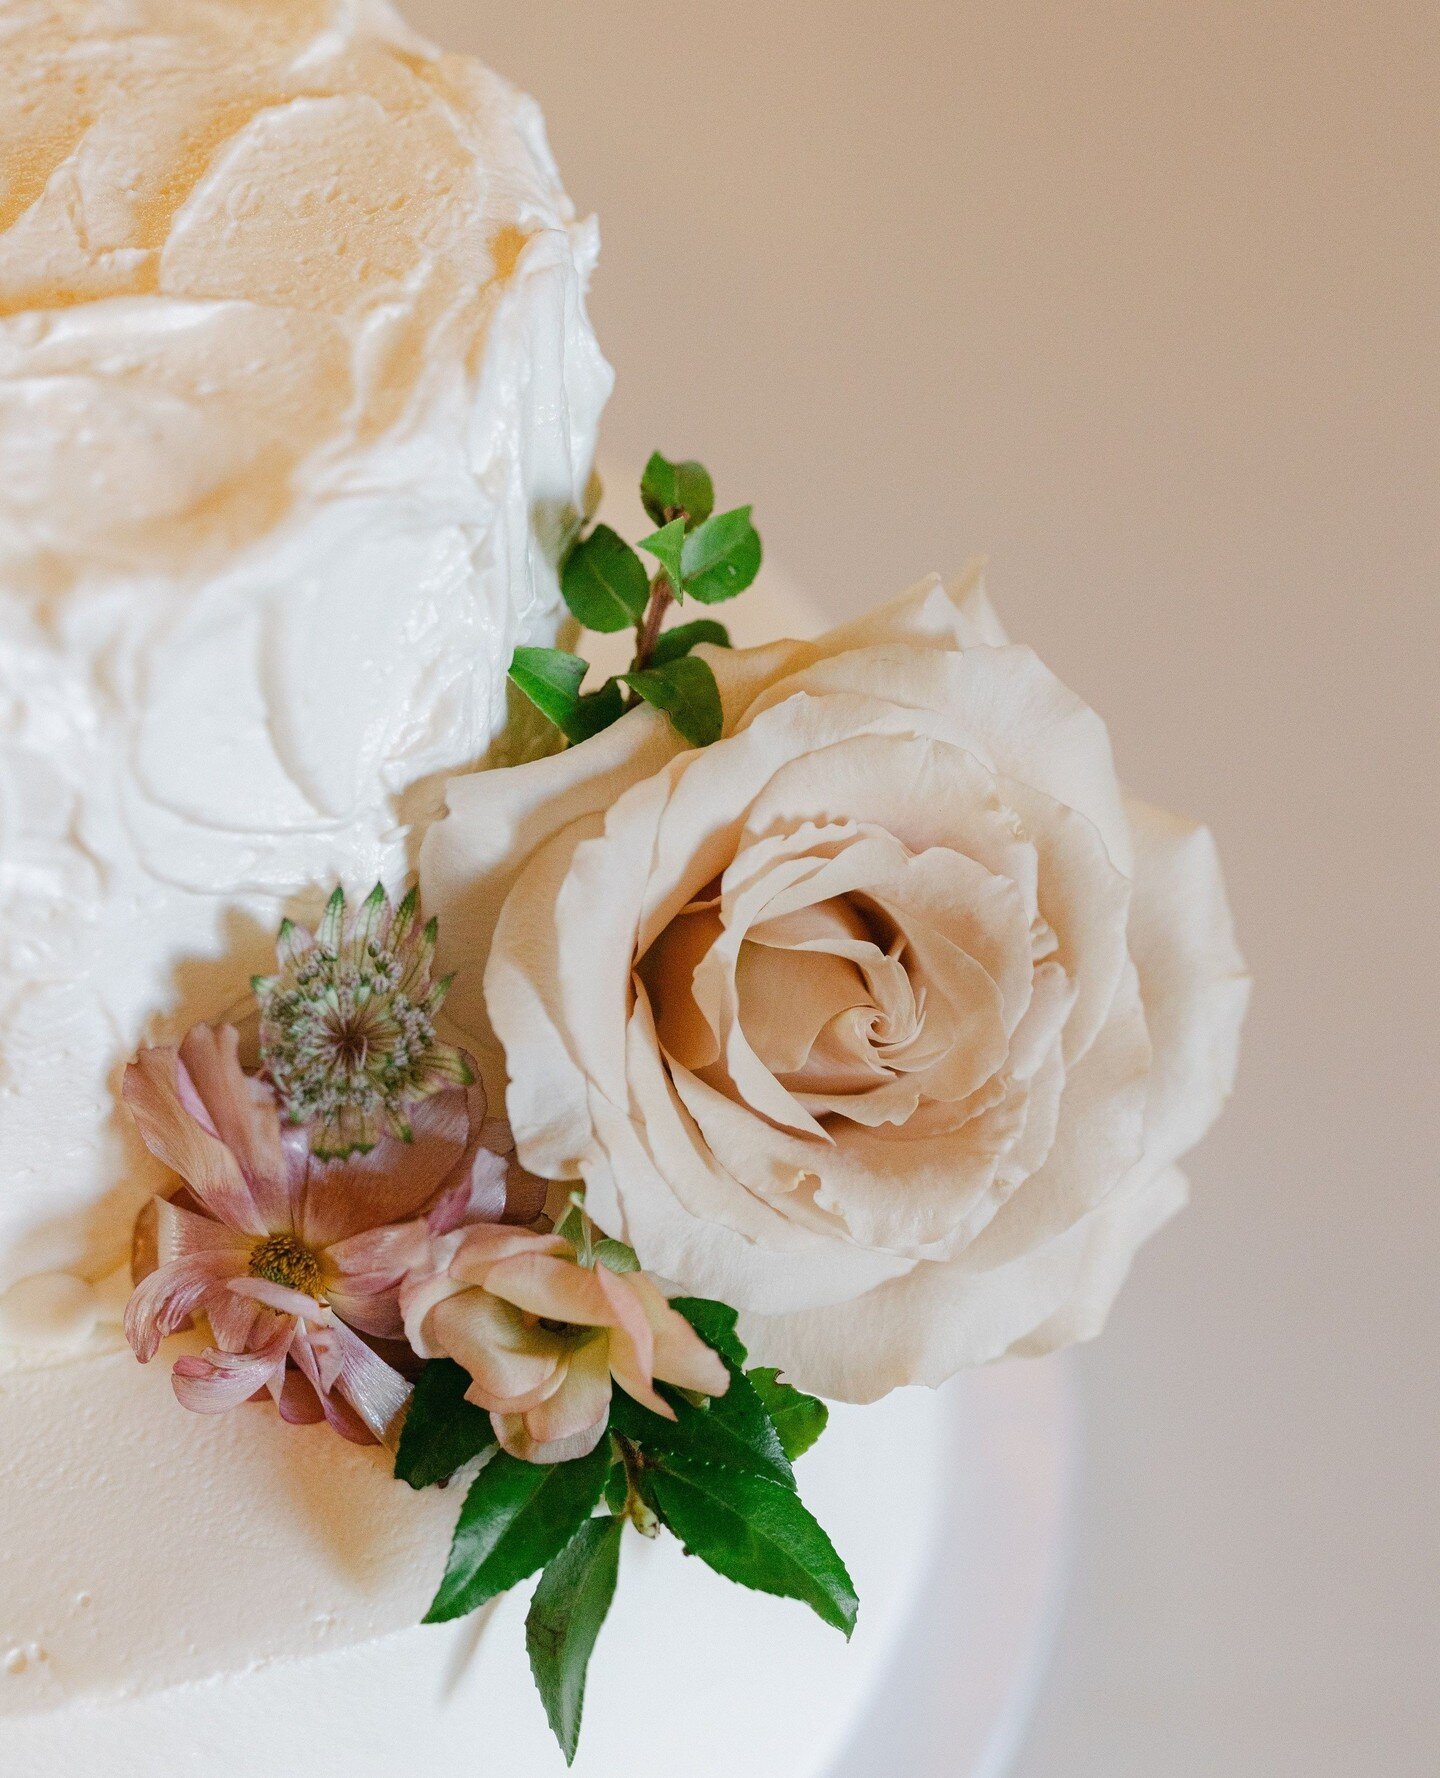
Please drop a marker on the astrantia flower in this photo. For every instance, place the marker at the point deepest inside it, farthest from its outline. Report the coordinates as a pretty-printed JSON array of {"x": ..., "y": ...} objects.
[
  {"x": 347, "y": 1027},
  {"x": 291, "y": 1258},
  {"x": 543, "y": 1336}
]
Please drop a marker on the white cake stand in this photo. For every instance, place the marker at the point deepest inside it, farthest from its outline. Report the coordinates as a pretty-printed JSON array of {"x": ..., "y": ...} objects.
[{"x": 957, "y": 1694}]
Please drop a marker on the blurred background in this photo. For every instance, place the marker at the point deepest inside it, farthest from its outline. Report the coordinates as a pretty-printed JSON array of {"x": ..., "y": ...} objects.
[{"x": 1141, "y": 301}]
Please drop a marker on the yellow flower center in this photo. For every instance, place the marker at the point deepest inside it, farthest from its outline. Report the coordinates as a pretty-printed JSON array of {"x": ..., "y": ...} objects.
[{"x": 287, "y": 1261}]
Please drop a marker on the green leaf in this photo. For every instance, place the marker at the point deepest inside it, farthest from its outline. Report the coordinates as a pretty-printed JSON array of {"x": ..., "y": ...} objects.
[
  {"x": 669, "y": 489},
  {"x": 617, "y": 1487},
  {"x": 615, "y": 1256},
  {"x": 753, "y": 1531},
  {"x": 515, "y": 1518},
  {"x": 715, "y": 1323},
  {"x": 799, "y": 1419},
  {"x": 604, "y": 582},
  {"x": 671, "y": 644},
  {"x": 596, "y": 710},
  {"x": 722, "y": 557},
  {"x": 565, "y": 1617},
  {"x": 667, "y": 545},
  {"x": 442, "y": 1431},
  {"x": 686, "y": 691},
  {"x": 740, "y": 1409},
  {"x": 735, "y": 1433},
  {"x": 550, "y": 678}
]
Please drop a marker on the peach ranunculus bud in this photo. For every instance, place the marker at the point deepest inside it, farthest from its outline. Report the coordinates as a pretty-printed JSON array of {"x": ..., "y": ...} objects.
[{"x": 544, "y": 1337}]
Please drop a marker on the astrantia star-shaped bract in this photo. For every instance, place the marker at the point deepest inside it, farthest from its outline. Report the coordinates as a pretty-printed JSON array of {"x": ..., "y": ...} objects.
[{"x": 347, "y": 1026}]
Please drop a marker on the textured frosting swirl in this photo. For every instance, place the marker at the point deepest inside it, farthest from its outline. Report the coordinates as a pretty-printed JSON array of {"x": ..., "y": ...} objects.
[{"x": 297, "y": 399}]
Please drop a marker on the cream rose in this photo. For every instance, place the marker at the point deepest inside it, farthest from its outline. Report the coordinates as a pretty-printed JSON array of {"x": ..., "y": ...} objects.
[{"x": 884, "y": 1019}]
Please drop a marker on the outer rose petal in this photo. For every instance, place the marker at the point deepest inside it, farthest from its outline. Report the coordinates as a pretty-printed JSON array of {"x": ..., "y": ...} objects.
[
  {"x": 1192, "y": 978},
  {"x": 1109, "y": 1239},
  {"x": 469, "y": 861}
]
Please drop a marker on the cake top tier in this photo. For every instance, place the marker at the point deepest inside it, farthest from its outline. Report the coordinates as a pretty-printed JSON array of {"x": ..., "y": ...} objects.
[
  {"x": 298, "y": 398},
  {"x": 237, "y": 239}
]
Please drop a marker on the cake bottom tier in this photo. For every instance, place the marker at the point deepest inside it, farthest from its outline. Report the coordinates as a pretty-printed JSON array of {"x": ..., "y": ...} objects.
[{"x": 187, "y": 1596}]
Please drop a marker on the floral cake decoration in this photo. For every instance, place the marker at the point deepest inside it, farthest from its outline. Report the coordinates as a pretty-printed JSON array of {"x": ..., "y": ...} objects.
[{"x": 832, "y": 1020}]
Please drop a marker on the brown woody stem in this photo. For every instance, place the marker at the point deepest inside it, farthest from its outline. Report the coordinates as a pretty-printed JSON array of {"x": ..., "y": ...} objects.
[{"x": 661, "y": 598}]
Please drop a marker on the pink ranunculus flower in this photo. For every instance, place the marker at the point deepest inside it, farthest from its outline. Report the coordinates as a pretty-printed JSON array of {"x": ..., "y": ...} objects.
[
  {"x": 544, "y": 1338},
  {"x": 293, "y": 1260}
]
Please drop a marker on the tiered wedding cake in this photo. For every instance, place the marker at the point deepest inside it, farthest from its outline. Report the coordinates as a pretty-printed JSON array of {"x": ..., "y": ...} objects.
[{"x": 298, "y": 400}]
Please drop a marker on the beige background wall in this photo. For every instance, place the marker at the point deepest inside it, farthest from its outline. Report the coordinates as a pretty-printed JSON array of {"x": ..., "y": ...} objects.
[{"x": 1141, "y": 299}]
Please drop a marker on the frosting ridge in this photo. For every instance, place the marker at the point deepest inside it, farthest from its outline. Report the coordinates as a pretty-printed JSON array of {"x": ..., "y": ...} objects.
[{"x": 298, "y": 400}]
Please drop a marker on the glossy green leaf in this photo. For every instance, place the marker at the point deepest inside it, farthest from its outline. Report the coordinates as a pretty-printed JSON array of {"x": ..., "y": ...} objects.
[
  {"x": 596, "y": 710},
  {"x": 515, "y": 1518},
  {"x": 798, "y": 1419},
  {"x": 715, "y": 1323},
  {"x": 670, "y": 489},
  {"x": 442, "y": 1431},
  {"x": 667, "y": 545},
  {"x": 733, "y": 1430},
  {"x": 740, "y": 1410},
  {"x": 671, "y": 644},
  {"x": 604, "y": 582},
  {"x": 565, "y": 1618},
  {"x": 722, "y": 557},
  {"x": 686, "y": 691},
  {"x": 551, "y": 679},
  {"x": 753, "y": 1531}
]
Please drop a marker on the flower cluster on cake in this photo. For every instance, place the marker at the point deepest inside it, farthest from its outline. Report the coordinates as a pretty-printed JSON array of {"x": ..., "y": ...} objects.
[
  {"x": 848, "y": 1023},
  {"x": 643, "y": 1060}
]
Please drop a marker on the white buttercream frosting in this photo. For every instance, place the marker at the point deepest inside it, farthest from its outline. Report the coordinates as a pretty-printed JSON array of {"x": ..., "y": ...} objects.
[{"x": 297, "y": 398}]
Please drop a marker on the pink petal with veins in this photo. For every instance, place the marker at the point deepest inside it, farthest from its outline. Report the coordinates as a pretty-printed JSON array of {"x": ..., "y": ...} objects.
[
  {"x": 217, "y": 1381},
  {"x": 242, "y": 1113},
  {"x": 297, "y": 1400},
  {"x": 374, "y": 1389},
  {"x": 181, "y": 1234},
  {"x": 395, "y": 1182},
  {"x": 165, "y": 1301},
  {"x": 155, "y": 1087},
  {"x": 237, "y": 1323},
  {"x": 281, "y": 1298}
]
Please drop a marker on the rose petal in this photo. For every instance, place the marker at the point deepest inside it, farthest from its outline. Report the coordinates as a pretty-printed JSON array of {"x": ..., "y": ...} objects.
[{"x": 470, "y": 860}]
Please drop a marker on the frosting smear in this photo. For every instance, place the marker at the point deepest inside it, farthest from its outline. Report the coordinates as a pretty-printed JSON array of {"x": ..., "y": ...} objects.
[{"x": 298, "y": 400}]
